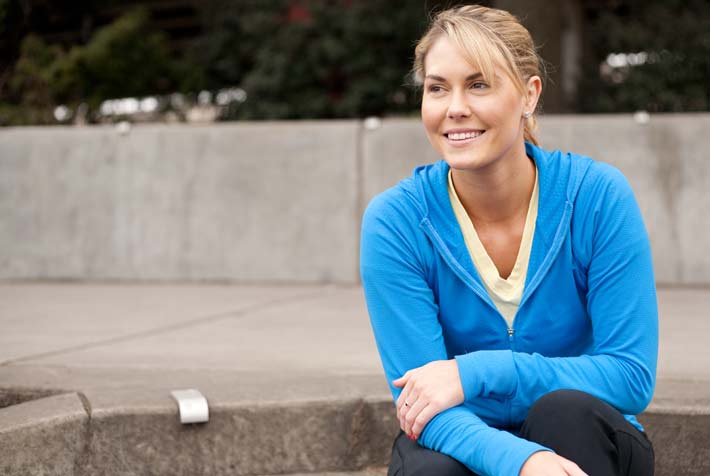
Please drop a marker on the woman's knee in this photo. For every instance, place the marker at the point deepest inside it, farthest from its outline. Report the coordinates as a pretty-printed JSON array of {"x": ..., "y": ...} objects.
[
  {"x": 563, "y": 407},
  {"x": 588, "y": 431},
  {"x": 411, "y": 459},
  {"x": 565, "y": 417}
]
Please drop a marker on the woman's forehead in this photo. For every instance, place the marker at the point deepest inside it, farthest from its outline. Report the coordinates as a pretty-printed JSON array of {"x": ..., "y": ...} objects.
[{"x": 445, "y": 56}]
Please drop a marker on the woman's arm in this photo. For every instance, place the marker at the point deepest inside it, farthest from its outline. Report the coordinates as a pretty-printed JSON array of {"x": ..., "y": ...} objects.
[
  {"x": 404, "y": 317},
  {"x": 621, "y": 303}
]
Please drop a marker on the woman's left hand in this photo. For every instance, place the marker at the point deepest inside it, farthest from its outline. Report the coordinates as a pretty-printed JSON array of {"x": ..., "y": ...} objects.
[{"x": 428, "y": 391}]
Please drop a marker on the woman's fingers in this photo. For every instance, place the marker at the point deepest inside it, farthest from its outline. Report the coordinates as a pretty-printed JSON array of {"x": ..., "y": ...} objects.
[
  {"x": 407, "y": 395},
  {"x": 402, "y": 381},
  {"x": 414, "y": 408},
  {"x": 437, "y": 381},
  {"x": 421, "y": 420},
  {"x": 403, "y": 398},
  {"x": 548, "y": 463},
  {"x": 410, "y": 408},
  {"x": 571, "y": 468}
]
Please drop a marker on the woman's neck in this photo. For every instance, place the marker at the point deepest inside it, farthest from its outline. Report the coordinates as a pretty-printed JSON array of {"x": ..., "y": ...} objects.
[{"x": 497, "y": 195}]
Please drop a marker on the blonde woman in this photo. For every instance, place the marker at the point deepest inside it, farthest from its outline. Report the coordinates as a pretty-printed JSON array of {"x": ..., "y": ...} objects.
[{"x": 510, "y": 288}]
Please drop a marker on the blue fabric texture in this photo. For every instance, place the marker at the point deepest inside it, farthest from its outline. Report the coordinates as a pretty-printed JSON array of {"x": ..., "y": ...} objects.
[{"x": 587, "y": 320}]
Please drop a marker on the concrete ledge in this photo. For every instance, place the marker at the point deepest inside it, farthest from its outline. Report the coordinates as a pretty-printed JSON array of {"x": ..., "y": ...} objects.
[
  {"x": 15, "y": 396},
  {"x": 143, "y": 436},
  {"x": 242, "y": 439},
  {"x": 681, "y": 443},
  {"x": 43, "y": 437},
  {"x": 374, "y": 471},
  {"x": 327, "y": 437}
]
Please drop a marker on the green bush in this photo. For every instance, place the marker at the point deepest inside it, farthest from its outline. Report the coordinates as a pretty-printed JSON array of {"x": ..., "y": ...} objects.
[
  {"x": 300, "y": 59},
  {"x": 122, "y": 59},
  {"x": 313, "y": 59},
  {"x": 676, "y": 36}
]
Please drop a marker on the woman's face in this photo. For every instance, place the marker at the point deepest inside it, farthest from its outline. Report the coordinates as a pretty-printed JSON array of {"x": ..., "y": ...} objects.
[{"x": 468, "y": 121}]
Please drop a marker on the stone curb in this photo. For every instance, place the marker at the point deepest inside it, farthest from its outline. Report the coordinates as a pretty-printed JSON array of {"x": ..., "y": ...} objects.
[
  {"x": 54, "y": 435},
  {"x": 681, "y": 442},
  {"x": 373, "y": 471},
  {"x": 64, "y": 435},
  {"x": 43, "y": 437}
]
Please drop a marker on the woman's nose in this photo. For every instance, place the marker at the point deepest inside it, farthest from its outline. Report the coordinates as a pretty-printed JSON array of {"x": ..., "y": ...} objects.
[{"x": 459, "y": 106}]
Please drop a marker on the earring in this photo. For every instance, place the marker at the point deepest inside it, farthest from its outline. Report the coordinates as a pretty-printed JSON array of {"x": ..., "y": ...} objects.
[{"x": 527, "y": 114}]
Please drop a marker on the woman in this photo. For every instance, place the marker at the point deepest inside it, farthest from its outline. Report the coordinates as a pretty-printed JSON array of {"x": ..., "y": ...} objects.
[{"x": 510, "y": 289}]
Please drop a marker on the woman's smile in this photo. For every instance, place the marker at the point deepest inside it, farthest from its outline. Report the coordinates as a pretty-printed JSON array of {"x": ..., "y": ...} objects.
[{"x": 462, "y": 137}]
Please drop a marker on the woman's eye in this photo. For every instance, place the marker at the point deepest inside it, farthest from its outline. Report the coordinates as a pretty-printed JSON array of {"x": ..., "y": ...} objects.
[
  {"x": 478, "y": 85},
  {"x": 434, "y": 88}
]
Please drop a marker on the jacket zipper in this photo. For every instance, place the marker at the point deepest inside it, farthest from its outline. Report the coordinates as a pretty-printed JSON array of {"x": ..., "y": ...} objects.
[{"x": 509, "y": 403}]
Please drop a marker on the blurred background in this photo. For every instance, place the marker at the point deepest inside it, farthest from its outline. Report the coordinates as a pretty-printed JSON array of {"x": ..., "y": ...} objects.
[{"x": 99, "y": 61}]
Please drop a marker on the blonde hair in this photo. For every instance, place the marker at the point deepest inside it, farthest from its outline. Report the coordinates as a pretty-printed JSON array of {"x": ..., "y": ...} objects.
[{"x": 488, "y": 37}]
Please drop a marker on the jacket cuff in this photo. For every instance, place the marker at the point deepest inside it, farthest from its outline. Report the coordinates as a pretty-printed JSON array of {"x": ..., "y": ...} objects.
[
  {"x": 487, "y": 373},
  {"x": 516, "y": 464}
]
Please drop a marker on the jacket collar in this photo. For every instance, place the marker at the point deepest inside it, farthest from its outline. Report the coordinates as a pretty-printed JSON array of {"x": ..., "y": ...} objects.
[{"x": 559, "y": 177}]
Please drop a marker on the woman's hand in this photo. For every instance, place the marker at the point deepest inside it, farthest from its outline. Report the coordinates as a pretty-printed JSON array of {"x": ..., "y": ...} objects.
[
  {"x": 546, "y": 463},
  {"x": 428, "y": 391}
]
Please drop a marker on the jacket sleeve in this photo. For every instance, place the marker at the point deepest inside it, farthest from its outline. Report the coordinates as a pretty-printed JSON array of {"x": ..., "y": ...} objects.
[
  {"x": 621, "y": 303},
  {"x": 404, "y": 318}
]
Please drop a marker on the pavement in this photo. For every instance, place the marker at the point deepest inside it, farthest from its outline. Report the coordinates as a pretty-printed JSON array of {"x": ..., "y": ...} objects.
[{"x": 291, "y": 373}]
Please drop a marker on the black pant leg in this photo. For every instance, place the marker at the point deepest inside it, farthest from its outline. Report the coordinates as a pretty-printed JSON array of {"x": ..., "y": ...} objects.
[
  {"x": 589, "y": 432},
  {"x": 411, "y": 459}
]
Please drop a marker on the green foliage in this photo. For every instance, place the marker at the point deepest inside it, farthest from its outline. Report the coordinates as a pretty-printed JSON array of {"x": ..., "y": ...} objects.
[
  {"x": 676, "y": 36},
  {"x": 122, "y": 59},
  {"x": 31, "y": 83},
  {"x": 324, "y": 58},
  {"x": 4, "y": 10},
  {"x": 317, "y": 58}
]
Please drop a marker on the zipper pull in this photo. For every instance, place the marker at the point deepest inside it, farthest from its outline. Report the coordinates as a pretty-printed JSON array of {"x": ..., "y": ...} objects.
[{"x": 511, "y": 331}]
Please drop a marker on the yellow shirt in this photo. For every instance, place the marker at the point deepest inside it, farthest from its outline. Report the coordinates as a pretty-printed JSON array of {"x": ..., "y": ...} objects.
[{"x": 505, "y": 293}]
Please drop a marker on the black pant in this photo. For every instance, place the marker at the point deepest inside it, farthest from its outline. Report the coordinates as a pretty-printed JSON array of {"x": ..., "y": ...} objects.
[{"x": 574, "y": 424}]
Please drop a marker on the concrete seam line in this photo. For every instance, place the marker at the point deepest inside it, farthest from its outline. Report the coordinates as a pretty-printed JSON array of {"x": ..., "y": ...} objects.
[
  {"x": 86, "y": 404},
  {"x": 167, "y": 329},
  {"x": 359, "y": 191}
]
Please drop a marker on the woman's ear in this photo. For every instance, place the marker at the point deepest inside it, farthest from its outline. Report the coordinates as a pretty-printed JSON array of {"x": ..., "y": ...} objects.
[{"x": 533, "y": 88}]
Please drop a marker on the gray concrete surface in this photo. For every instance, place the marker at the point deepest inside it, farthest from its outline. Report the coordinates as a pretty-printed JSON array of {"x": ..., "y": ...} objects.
[
  {"x": 374, "y": 471},
  {"x": 681, "y": 443},
  {"x": 252, "y": 202},
  {"x": 291, "y": 374},
  {"x": 243, "y": 202},
  {"x": 43, "y": 437}
]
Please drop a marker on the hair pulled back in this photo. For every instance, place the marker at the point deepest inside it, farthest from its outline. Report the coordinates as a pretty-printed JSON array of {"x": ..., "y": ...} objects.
[{"x": 488, "y": 37}]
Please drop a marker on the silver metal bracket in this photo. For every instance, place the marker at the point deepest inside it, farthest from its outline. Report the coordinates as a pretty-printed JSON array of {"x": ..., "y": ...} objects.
[{"x": 192, "y": 406}]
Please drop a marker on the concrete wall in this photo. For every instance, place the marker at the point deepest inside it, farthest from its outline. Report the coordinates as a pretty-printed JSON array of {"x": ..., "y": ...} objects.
[
  {"x": 247, "y": 202},
  {"x": 281, "y": 202}
]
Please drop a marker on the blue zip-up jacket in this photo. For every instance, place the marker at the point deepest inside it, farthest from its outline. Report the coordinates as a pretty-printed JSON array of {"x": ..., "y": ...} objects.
[{"x": 587, "y": 318}]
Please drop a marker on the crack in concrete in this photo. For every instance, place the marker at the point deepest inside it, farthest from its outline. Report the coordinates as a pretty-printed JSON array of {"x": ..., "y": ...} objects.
[
  {"x": 167, "y": 329},
  {"x": 86, "y": 404}
]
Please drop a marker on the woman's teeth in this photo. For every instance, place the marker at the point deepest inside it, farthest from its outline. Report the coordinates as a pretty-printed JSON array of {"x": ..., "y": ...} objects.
[{"x": 464, "y": 135}]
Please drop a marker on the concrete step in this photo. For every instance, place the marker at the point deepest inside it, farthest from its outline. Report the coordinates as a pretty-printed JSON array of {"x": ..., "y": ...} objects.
[
  {"x": 373, "y": 471},
  {"x": 66, "y": 435}
]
